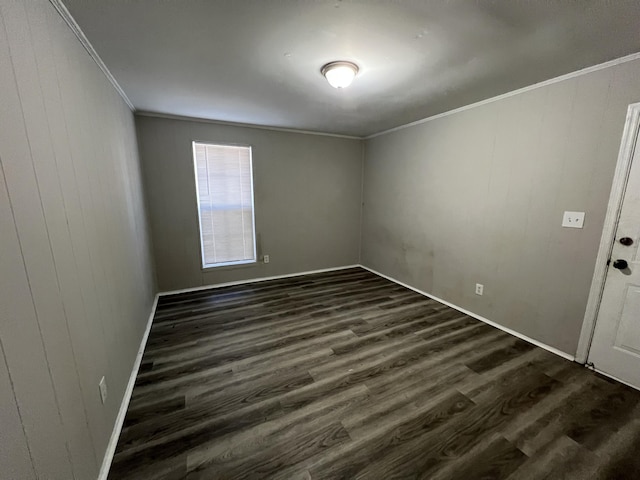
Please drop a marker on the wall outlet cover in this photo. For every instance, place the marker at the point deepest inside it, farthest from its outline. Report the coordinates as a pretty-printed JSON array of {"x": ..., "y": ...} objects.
[
  {"x": 479, "y": 289},
  {"x": 573, "y": 219},
  {"x": 265, "y": 258}
]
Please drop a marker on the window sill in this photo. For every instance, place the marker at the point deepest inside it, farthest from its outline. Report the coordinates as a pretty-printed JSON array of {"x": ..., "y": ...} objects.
[{"x": 229, "y": 266}]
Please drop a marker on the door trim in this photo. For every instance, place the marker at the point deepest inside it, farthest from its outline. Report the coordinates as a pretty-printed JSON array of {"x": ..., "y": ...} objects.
[{"x": 623, "y": 166}]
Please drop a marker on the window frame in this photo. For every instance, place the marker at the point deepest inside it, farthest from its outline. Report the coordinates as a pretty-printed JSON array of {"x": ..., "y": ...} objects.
[{"x": 203, "y": 265}]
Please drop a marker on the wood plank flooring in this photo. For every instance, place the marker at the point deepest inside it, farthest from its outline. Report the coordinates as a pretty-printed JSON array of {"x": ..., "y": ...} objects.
[{"x": 345, "y": 375}]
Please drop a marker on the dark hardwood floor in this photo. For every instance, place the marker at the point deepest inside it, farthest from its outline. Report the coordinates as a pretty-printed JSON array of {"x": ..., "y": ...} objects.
[{"x": 347, "y": 375}]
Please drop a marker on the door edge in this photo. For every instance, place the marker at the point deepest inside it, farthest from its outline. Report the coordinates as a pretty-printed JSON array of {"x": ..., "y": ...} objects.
[{"x": 623, "y": 166}]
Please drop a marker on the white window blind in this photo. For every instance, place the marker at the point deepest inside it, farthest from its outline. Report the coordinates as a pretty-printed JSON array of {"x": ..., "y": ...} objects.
[{"x": 224, "y": 184}]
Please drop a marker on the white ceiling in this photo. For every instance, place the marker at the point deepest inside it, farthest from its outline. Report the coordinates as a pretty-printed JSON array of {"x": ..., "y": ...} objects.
[{"x": 258, "y": 61}]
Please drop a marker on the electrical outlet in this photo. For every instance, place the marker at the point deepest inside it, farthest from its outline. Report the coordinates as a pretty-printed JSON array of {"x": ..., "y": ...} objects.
[
  {"x": 573, "y": 219},
  {"x": 479, "y": 289},
  {"x": 265, "y": 258},
  {"x": 103, "y": 390}
]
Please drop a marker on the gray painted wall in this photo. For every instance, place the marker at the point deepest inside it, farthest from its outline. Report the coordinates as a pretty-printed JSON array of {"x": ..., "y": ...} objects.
[
  {"x": 307, "y": 193},
  {"x": 75, "y": 269},
  {"x": 478, "y": 197}
]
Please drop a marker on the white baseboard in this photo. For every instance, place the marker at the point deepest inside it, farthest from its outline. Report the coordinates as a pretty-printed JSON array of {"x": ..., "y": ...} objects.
[
  {"x": 478, "y": 317},
  {"x": 254, "y": 280},
  {"x": 117, "y": 428},
  {"x": 612, "y": 377}
]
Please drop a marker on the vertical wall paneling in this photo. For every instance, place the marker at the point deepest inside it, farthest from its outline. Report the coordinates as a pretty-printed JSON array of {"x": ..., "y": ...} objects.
[
  {"x": 75, "y": 265},
  {"x": 23, "y": 340},
  {"x": 70, "y": 243},
  {"x": 15, "y": 456},
  {"x": 49, "y": 300}
]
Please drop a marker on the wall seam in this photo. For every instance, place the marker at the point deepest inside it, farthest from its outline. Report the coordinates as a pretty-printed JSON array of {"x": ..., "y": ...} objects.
[
  {"x": 145, "y": 204},
  {"x": 54, "y": 156},
  {"x": 64, "y": 115},
  {"x": 101, "y": 282},
  {"x": 362, "y": 160},
  {"x": 4, "y": 355},
  {"x": 24, "y": 263}
]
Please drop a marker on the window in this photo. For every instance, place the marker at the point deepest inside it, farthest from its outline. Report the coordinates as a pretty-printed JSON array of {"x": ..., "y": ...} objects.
[{"x": 224, "y": 186}]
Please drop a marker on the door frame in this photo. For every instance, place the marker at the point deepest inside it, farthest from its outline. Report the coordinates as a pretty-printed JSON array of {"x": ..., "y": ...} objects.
[{"x": 623, "y": 167}]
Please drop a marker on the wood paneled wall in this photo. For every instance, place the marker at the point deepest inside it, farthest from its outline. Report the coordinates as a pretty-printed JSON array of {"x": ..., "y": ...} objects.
[{"x": 76, "y": 276}]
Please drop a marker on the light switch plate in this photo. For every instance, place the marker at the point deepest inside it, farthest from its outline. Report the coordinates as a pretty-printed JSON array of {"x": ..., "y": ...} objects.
[{"x": 573, "y": 219}]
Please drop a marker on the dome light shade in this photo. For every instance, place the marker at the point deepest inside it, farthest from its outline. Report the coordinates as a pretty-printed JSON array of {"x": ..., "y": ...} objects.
[{"x": 339, "y": 74}]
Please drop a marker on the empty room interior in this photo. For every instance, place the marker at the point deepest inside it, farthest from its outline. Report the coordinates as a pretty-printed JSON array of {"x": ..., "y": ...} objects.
[{"x": 319, "y": 239}]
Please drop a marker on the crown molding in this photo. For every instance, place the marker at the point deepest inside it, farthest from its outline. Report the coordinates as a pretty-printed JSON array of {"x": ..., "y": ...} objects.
[
  {"x": 75, "y": 28},
  {"x": 169, "y": 116},
  {"x": 77, "y": 31},
  {"x": 561, "y": 78}
]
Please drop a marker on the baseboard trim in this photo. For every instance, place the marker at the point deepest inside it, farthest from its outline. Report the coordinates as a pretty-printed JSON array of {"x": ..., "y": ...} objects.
[
  {"x": 117, "y": 428},
  {"x": 255, "y": 280},
  {"x": 477, "y": 317},
  {"x": 613, "y": 377}
]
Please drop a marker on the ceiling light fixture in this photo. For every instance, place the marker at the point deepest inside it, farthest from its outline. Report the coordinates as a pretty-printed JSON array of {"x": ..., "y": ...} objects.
[{"x": 339, "y": 74}]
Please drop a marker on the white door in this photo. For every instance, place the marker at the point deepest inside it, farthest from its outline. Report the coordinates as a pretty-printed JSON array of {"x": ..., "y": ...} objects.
[{"x": 615, "y": 348}]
